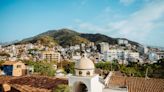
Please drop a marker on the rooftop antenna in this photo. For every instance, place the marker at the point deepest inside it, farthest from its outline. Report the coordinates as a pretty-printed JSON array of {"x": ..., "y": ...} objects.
[{"x": 84, "y": 54}]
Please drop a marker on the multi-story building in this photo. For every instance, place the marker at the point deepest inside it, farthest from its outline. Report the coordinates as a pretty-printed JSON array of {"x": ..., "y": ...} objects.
[
  {"x": 120, "y": 54},
  {"x": 154, "y": 56},
  {"x": 143, "y": 49},
  {"x": 114, "y": 54},
  {"x": 122, "y": 41},
  {"x": 133, "y": 56},
  {"x": 30, "y": 46},
  {"x": 50, "y": 56},
  {"x": 103, "y": 47},
  {"x": 13, "y": 68},
  {"x": 160, "y": 55}
]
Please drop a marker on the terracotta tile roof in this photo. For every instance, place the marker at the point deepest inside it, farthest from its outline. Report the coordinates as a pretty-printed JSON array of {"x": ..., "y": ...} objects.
[
  {"x": 27, "y": 88},
  {"x": 33, "y": 83},
  {"x": 39, "y": 82},
  {"x": 118, "y": 81},
  {"x": 5, "y": 79},
  {"x": 137, "y": 84},
  {"x": 118, "y": 73}
]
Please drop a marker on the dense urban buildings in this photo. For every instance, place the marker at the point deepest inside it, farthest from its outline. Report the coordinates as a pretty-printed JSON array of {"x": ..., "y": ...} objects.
[{"x": 81, "y": 46}]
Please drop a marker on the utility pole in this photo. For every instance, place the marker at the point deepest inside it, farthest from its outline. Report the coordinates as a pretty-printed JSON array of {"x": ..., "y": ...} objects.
[
  {"x": 61, "y": 65},
  {"x": 111, "y": 67},
  {"x": 147, "y": 69}
]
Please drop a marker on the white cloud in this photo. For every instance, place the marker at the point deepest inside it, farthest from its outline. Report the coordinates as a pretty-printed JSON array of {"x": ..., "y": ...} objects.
[
  {"x": 91, "y": 27},
  {"x": 140, "y": 23},
  {"x": 137, "y": 26},
  {"x": 127, "y": 2}
]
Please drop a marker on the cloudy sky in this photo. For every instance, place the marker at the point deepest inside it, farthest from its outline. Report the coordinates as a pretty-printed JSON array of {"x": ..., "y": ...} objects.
[{"x": 138, "y": 20}]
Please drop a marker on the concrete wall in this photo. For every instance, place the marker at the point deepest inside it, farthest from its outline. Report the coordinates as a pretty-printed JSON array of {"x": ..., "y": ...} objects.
[
  {"x": 18, "y": 69},
  {"x": 92, "y": 83}
]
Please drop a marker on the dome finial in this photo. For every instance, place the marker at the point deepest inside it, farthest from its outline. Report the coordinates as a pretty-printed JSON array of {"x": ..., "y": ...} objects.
[{"x": 84, "y": 55}]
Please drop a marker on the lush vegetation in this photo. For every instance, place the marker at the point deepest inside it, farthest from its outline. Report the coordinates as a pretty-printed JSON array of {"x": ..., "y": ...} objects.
[
  {"x": 44, "y": 40},
  {"x": 65, "y": 37},
  {"x": 4, "y": 54},
  {"x": 42, "y": 68},
  {"x": 67, "y": 66},
  {"x": 114, "y": 66},
  {"x": 47, "y": 41},
  {"x": 1, "y": 62},
  {"x": 135, "y": 69},
  {"x": 62, "y": 88}
]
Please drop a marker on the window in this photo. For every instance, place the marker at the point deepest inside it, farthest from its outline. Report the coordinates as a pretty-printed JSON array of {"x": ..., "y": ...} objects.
[
  {"x": 80, "y": 73},
  {"x": 18, "y": 66},
  {"x": 88, "y": 73}
]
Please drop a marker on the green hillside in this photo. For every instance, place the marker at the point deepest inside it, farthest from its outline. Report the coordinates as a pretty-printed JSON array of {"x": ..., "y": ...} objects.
[{"x": 67, "y": 37}]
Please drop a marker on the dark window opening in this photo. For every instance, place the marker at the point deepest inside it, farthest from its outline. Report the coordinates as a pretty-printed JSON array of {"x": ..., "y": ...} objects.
[
  {"x": 80, "y": 73},
  {"x": 88, "y": 73}
]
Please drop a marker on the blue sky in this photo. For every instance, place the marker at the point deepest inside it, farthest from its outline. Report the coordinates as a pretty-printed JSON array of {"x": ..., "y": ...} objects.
[{"x": 138, "y": 20}]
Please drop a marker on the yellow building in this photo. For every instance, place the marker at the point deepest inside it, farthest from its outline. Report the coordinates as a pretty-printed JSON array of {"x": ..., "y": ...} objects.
[
  {"x": 51, "y": 56},
  {"x": 14, "y": 68}
]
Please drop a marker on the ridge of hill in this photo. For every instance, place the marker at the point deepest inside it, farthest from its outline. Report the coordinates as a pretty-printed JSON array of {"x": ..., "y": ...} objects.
[{"x": 65, "y": 37}]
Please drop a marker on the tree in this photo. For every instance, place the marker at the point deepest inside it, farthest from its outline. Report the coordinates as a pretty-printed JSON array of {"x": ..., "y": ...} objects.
[
  {"x": 103, "y": 65},
  {"x": 4, "y": 54},
  {"x": 1, "y": 62},
  {"x": 43, "y": 68},
  {"x": 68, "y": 66},
  {"x": 115, "y": 65},
  {"x": 46, "y": 41},
  {"x": 62, "y": 88}
]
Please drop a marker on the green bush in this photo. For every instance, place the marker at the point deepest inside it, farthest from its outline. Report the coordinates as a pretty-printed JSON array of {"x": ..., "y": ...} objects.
[
  {"x": 104, "y": 65},
  {"x": 68, "y": 66},
  {"x": 1, "y": 62},
  {"x": 43, "y": 68},
  {"x": 62, "y": 88}
]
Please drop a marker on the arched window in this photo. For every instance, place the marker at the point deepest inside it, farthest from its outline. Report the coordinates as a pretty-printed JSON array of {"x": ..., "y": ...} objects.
[
  {"x": 80, "y": 73},
  {"x": 88, "y": 73}
]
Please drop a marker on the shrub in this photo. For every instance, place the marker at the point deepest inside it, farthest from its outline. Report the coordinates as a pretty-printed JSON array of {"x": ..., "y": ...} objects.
[{"x": 62, "y": 88}]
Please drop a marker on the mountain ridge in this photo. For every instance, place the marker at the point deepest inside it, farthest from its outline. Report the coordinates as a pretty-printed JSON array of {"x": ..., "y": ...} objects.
[{"x": 66, "y": 37}]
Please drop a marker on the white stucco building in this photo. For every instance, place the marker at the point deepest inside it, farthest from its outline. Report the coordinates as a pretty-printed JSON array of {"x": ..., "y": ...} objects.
[
  {"x": 114, "y": 54},
  {"x": 122, "y": 41},
  {"x": 120, "y": 54},
  {"x": 104, "y": 46},
  {"x": 154, "y": 56},
  {"x": 142, "y": 49},
  {"x": 85, "y": 80}
]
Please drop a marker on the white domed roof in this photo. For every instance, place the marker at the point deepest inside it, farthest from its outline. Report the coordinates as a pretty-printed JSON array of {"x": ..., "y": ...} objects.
[{"x": 84, "y": 63}]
